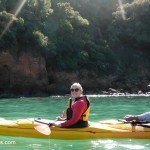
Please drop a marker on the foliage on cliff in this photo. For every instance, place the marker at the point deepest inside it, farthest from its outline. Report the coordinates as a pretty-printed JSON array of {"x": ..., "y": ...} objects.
[{"x": 96, "y": 38}]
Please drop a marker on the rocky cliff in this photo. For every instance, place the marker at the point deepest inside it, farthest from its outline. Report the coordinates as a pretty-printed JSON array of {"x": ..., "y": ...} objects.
[{"x": 25, "y": 75}]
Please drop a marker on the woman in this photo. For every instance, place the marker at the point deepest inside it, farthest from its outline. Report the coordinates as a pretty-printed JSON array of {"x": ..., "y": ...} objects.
[{"x": 77, "y": 113}]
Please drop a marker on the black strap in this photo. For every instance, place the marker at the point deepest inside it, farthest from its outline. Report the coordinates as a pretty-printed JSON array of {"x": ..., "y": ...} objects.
[
  {"x": 69, "y": 111},
  {"x": 70, "y": 102}
]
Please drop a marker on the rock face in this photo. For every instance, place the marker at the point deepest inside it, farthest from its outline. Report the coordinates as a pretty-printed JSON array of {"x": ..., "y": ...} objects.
[
  {"x": 22, "y": 76},
  {"x": 28, "y": 76}
]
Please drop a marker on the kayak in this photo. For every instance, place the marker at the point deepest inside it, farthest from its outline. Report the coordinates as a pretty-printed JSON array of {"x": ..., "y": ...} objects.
[{"x": 95, "y": 130}]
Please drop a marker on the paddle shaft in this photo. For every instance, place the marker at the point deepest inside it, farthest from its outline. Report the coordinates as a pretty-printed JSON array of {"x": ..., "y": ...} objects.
[{"x": 49, "y": 124}]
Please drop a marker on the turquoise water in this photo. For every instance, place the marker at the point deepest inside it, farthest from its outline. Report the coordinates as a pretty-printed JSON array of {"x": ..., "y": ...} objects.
[{"x": 51, "y": 107}]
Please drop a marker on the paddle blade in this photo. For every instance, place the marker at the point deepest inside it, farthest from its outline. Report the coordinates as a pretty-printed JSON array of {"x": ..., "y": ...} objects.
[{"x": 44, "y": 129}]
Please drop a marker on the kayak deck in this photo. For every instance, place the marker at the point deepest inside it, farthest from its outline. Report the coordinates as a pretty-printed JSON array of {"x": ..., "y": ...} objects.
[{"x": 103, "y": 129}]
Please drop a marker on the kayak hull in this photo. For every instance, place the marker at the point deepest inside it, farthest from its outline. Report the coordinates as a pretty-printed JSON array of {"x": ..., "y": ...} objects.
[{"x": 103, "y": 129}]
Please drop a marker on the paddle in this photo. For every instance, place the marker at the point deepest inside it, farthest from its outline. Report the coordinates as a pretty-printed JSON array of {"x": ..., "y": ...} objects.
[
  {"x": 139, "y": 123},
  {"x": 43, "y": 127}
]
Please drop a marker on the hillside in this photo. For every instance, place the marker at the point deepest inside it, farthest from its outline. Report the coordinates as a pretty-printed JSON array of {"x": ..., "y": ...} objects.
[{"x": 45, "y": 45}]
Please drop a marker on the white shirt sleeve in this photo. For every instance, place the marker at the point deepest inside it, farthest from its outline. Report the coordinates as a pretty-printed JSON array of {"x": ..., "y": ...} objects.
[{"x": 144, "y": 117}]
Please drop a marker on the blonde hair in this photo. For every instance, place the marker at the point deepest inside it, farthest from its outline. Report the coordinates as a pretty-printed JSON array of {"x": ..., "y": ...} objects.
[{"x": 78, "y": 85}]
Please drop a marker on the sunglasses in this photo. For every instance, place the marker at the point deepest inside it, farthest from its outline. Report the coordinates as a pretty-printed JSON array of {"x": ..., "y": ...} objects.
[{"x": 76, "y": 90}]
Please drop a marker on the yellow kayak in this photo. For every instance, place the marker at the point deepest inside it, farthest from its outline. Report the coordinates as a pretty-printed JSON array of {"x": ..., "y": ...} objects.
[{"x": 102, "y": 129}]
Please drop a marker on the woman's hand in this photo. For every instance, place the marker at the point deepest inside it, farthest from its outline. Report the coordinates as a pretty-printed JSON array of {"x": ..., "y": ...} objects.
[
  {"x": 60, "y": 119},
  {"x": 57, "y": 124}
]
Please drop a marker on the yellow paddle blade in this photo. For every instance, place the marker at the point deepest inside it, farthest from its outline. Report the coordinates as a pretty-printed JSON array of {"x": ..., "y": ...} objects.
[{"x": 44, "y": 129}]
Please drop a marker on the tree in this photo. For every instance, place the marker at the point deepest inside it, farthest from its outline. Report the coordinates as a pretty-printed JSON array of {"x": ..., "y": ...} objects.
[
  {"x": 8, "y": 29},
  {"x": 130, "y": 39}
]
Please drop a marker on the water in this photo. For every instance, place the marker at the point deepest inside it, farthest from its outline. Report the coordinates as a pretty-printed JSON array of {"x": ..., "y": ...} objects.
[{"x": 49, "y": 108}]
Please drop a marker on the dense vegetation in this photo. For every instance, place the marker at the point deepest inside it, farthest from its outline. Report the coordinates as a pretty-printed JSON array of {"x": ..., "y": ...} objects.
[{"x": 93, "y": 38}]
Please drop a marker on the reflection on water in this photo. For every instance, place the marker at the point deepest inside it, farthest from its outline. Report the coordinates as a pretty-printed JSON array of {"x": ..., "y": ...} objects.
[{"x": 120, "y": 144}]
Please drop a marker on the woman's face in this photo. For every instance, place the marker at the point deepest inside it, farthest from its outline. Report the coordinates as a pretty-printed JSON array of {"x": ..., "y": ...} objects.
[{"x": 75, "y": 92}]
